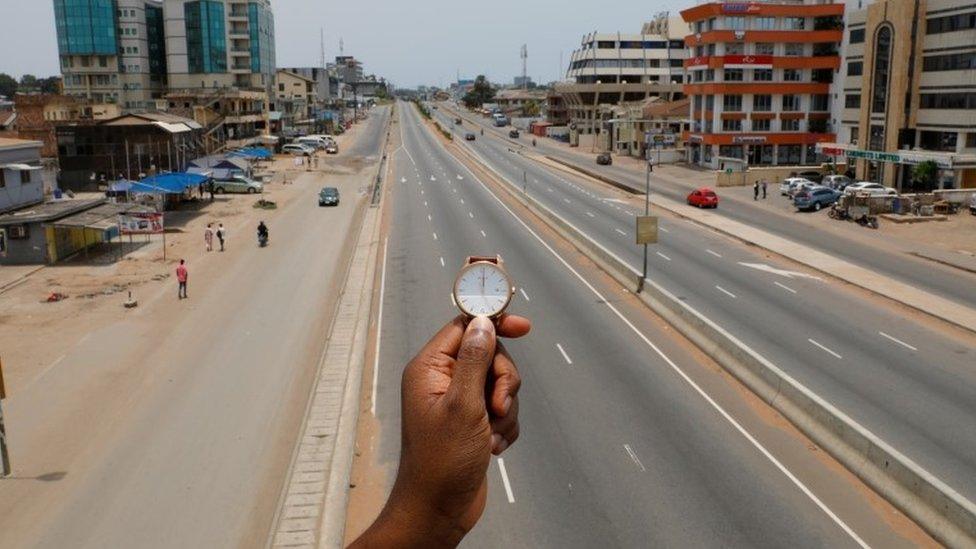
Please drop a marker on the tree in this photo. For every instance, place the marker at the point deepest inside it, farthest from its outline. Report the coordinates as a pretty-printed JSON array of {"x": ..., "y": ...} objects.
[
  {"x": 480, "y": 93},
  {"x": 8, "y": 85},
  {"x": 28, "y": 83},
  {"x": 924, "y": 173},
  {"x": 51, "y": 84},
  {"x": 531, "y": 108}
]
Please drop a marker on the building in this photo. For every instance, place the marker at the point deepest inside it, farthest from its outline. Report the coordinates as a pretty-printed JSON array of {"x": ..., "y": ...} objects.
[
  {"x": 230, "y": 118},
  {"x": 294, "y": 99},
  {"x": 556, "y": 112},
  {"x": 907, "y": 93},
  {"x": 21, "y": 181},
  {"x": 39, "y": 114},
  {"x": 127, "y": 147},
  {"x": 614, "y": 68},
  {"x": 759, "y": 79},
  {"x": 518, "y": 102},
  {"x": 523, "y": 82},
  {"x": 112, "y": 51}
]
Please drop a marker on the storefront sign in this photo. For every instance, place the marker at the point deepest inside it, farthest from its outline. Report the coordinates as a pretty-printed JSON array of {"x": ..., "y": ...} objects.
[
  {"x": 900, "y": 157},
  {"x": 659, "y": 139},
  {"x": 141, "y": 223},
  {"x": 749, "y": 61},
  {"x": 749, "y": 139},
  {"x": 740, "y": 7}
]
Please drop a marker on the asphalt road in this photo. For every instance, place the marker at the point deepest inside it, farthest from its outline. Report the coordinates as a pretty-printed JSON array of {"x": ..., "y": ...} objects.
[
  {"x": 175, "y": 426},
  {"x": 618, "y": 446},
  {"x": 906, "y": 382},
  {"x": 923, "y": 274}
]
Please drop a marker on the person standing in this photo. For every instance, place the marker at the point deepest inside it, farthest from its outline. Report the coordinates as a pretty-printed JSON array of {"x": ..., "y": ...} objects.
[
  {"x": 181, "y": 277},
  {"x": 764, "y": 188},
  {"x": 755, "y": 190},
  {"x": 221, "y": 234},
  {"x": 208, "y": 235}
]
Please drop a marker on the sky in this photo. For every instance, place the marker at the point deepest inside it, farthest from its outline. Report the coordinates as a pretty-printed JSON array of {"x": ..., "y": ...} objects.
[{"x": 407, "y": 42}]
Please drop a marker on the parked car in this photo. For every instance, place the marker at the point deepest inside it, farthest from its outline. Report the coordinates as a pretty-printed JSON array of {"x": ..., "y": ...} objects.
[
  {"x": 313, "y": 142},
  {"x": 238, "y": 184},
  {"x": 469, "y": 136},
  {"x": 815, "y": 198},
  {"x": 868, "y": 187},
  {"x": 604, "y": 159},
  {"x": 836, "y": 182},
  {"x": 703, "y": 197},
  {"x": 329, "y": 196},
  {"x": 788, "y": 186},
  {"x": 811, "y": 175},
  {"x": 297, "y": 149},
  {"x": 514, "y": 134},
  {"x": 332, "y": 148}
]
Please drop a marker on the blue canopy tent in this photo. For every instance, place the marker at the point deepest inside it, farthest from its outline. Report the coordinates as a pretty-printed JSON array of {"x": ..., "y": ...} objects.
[
  {"x": 168, "y": 183},
  {"x": 252, "y": 152}
]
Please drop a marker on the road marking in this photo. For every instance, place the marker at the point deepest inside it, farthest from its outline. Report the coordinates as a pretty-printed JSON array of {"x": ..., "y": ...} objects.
[
  {"x": 784, "y": 286},
  {"x": 421, "y": 191},
  {"x": 429, "y": 218},
  {"x": 471, "y": 215},
  {"x": 566, "y": 200},
  {"x": 621, "y": 232},
  {"x": 455, "y": 190},
  {"x": 462, "y": 201},
  {"x": 898, "y": 341},
  {"x": 525, "y": 295},
  {"x": 824, "y": 348},
  {"x": 442, "y": 261},
  {"x": 662, "y": 229},
  {"x": 634, "y": 457},
  {"x": 549, "y": 189},
  {"x": 508, "y": 485},
  {"x": 432, "y": 178},
  {"x": 724, "y": 291},
  {"x": 664, "y": 256},
  {"x": 701, "y": 392},
  {"x": 403, "y": 180},
  {"x": 780, "y": 272},
  {"x": 425, "y": 203},
  {"x": 716, "y": 254},
  {"x": 379, "y": 328},
  {"x": 590, "y": 214},
  {"x": 565, "y": 356},
  {"x": 435, "y": 236},
  {"x": 459, "y": 177},
  {"x": 483, "y": 234}
]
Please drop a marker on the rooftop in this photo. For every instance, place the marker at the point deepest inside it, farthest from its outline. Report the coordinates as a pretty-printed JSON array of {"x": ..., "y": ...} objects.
[
  {"x": 49, "y": 211},
  {"x": 8, "y": 143}
]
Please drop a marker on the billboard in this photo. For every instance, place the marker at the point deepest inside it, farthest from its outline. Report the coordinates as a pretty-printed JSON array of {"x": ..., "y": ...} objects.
[{"x": 140, "y": 223}]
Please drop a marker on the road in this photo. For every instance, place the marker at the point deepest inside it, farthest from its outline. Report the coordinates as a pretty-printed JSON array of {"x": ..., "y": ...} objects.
[
  {"x": 905, "y": 381},
  {"x": 627, "y": 438},
  {"x": 937, "y": 279},
  {"x": 174, "y": 427}
]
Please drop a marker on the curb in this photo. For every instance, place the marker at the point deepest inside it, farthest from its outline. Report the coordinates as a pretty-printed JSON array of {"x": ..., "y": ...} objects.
[{"x": 940, "y": 510}]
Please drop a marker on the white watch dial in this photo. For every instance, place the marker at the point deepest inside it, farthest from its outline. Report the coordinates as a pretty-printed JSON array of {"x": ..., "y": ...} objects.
[{"x": 482, "y": 289}]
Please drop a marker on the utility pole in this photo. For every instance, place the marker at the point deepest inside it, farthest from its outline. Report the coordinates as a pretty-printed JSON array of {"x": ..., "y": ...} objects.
[
  {"x": 525, "y": 60},
  {"x": 647, "y": 212},
  {"x": 4, "y": 454}
]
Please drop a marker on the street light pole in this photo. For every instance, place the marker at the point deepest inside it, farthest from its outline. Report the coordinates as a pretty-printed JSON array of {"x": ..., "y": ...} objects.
[{"x": 647, "y": 212}]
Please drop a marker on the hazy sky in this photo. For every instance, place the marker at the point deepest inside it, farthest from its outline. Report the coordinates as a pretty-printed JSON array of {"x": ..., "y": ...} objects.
[{"x": 408, "y": 42}]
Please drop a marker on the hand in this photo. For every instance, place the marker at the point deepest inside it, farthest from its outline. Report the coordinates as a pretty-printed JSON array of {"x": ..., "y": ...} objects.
[{"x": 460, "y": 405}]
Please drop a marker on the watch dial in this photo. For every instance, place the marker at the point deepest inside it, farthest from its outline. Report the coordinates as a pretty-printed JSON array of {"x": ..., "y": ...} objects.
[{"x": 482, "y": 289}]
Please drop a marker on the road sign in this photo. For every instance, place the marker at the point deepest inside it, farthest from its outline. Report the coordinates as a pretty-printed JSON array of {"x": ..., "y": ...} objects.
[{"x": 646, "y": 229}]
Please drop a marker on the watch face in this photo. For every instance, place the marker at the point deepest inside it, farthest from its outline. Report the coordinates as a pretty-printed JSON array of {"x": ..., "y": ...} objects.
[{"x": 482, "y": 288}]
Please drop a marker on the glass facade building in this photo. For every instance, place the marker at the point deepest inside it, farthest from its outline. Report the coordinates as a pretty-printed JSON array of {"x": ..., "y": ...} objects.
[
  {"x": 86, "y": 27},
  {"x": 261, "y": 26},
  {"x": 206, "y": 36},
  {"x": 156, "y": 37}
]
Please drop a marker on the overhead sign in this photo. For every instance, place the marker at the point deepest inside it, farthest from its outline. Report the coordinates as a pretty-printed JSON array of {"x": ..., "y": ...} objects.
[
  {"x": 141, "y": 223},
  {"x": 749, "y": 139},
  {"x": 740, "y": 7},
  {"x": 646, "y": 229},
  {"x": 748, "y": 61}
]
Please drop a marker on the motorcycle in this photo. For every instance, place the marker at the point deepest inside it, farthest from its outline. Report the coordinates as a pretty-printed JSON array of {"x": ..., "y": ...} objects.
[{"x": 262, "y": 240}]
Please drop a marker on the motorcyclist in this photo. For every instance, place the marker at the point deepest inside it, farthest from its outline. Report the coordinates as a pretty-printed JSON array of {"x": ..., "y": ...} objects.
[
  {"x": 533, "y": 142},
  {"x": 262, "y": 231},
  {"x": 482, "y": 131}
]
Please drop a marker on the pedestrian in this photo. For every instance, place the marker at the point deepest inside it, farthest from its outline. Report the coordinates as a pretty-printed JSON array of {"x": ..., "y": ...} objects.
[
  {"x": 764, "y": 188},
  {"x": 181, "y": 276},
  {"x": 221, "y": 234},
  {"x": 210, "y": 186},
  {"x": 208, "y": 236},
  {"x": 755, "y": 190}
]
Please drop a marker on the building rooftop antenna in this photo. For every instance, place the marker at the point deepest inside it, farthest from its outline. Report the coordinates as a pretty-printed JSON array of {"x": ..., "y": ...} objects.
[{"x": 525, "y": 58}]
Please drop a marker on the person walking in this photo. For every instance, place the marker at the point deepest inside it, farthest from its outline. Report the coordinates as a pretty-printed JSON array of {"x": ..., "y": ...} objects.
[
  {"x": 764, "y": 188},
  {"x": 181, "y": 277},
  {"x": 755, "y": 191},
  {"x": 221, "y": 234},
  {"x": 208, "y": 235}
]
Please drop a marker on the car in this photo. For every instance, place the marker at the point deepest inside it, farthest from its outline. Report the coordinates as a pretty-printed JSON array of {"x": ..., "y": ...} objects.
[
  {"x": 815, "y": 198},
  {"x": 297, "y": 149},
  {"x": 788, "y": 186},
  {"x": 703, "y": 197},
  {"x": 870, "y": 188},
  {"x": 514, "y": 134},
  {"x": 812, "y": 175},
  {"x": 836, "y": 182},
  {"x": 332, "y": 148},
  {"x": 238, "y": 184},
  {"x": 604, "y": 159},
  {"x": 329, "y": 196},
  {"x": 972, "y": 204},
  {"x": 469, "y": 136},
  {"x": 313, "y": 142},
  {"x": 457, "y": 122}
]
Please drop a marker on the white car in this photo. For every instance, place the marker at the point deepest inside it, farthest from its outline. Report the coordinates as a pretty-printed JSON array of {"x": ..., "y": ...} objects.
[
  {"x": 837, "y": 182},
  {"x": 313, "y": 142},
  {"x": 791, "y": 184},
  {"x": 873, "y": 189},
  {"x": 297, "y": 149}
]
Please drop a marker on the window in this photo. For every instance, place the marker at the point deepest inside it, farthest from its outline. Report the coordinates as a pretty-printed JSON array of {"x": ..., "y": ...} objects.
[
  {"x": 791, "y": 102},
  {"x": 763, "y": 125},
  {"x": 736, "y": 23},
  {"x": 852, "y": 101},
  {"x": 789, "y": 154},
  {"x": 793, "y": 23},
  {"x": 281, "y": 87},
  {"x": 733, "y": 75},
  {"x": 102, "y": 61},
  {"x": 764, "y": 23},
  {"x": 792, "y": 75},
  {"x": 882, "y": 66},
  {"x": 819, "y": 102},
  {"x": 971, "y": 140},
  {"x": 734, "y": 48},
  {"x": 762, "y": 103},
  {"x": 856, "y": 36},
  {"x": 957, "y": 100},
  {"x": 793, "y": 50},
  {"x": 606, "y": 44},
  {"x": 732, "y": 103},
  {"x": 853, "y": 135},
  {"x": 731, "y": 125},
  {"x": 762, "y": 75},
  {"x": 938, "y": 141},
  {"x": 950, "y": 62},
  {"x": 876, "y": 138},
  {"x": 792, "y": 125},
  {"x": 3, "y": 179},
  {"x": 25, "y": 176},
  {"x": 765, "y": 48},
  {"x": 854, "y": 68},
  {"x": 730, "y": 151},
  {"x": 951, "y": 23}
]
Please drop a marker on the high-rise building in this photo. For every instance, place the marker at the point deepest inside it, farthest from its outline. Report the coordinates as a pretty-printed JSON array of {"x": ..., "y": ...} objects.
[
  {"x": 759, "y": 79},
  {"x": 112, "y": 51}
]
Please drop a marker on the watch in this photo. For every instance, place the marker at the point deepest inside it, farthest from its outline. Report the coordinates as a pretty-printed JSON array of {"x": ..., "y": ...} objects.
[{"x": 483, "y": 287}]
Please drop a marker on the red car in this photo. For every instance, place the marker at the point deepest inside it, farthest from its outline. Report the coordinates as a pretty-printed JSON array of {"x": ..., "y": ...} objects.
[{"x": 703, "y": 198}]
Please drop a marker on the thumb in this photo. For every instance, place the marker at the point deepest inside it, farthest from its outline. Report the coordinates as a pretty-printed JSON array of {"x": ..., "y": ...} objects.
[{"x": 474, "y": 358}]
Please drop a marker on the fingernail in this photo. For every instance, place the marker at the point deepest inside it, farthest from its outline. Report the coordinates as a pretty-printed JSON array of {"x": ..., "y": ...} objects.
[
  {"x": 506, "y": 405},
  {"x": 496, "y": 441},
  {"x": 481, "y": 324}
]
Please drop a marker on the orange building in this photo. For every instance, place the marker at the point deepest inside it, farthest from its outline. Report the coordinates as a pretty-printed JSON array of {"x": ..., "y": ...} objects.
[{"x": 759, "y": 77}]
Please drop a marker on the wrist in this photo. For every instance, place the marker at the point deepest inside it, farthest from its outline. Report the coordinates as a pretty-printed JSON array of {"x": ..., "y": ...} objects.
[{"x": 409, "y": 521}]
